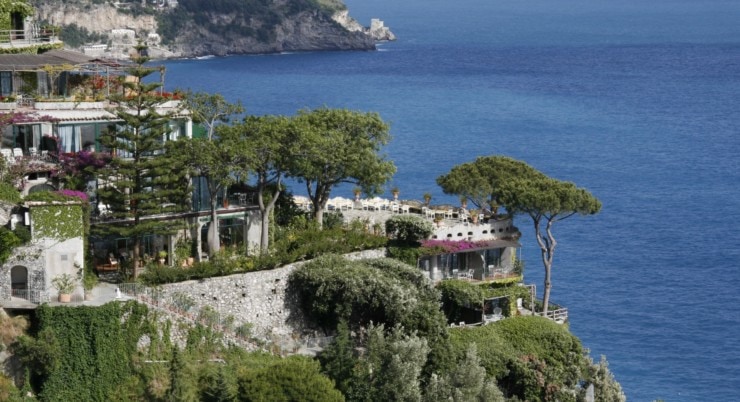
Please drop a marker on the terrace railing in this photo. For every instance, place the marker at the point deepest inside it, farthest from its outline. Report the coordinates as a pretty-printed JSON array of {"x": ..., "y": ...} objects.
[
  {"x": 32, "y": 36},
  {"x": 33, "y": 296}
]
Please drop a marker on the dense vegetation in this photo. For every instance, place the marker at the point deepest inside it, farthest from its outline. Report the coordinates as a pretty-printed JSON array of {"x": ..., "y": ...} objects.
[
  {"x": 256, "y": 18},
  {"x": 94, "y": 354},
  {"x": 413, "y": 355},
  {"x": 75, "y": 36},
  {"x": 301, "y": 241}
]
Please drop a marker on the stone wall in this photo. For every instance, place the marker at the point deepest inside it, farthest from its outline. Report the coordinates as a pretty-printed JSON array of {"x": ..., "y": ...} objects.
[{"x": 258, "y": 298}]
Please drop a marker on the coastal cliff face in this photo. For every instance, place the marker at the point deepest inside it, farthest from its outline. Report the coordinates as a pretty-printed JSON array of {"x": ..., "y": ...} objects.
[
  {"x": 187, "y": 31},
  {"x": 305, "y": 31},
  {"x": 100, "y": 18}
]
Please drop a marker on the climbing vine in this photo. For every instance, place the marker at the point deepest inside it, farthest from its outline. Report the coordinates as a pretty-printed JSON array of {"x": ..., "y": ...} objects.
[
  {"x": 60, "y": 222},
  {"x": 64, "y": 216},
  {"x": 93, "y": 353}
]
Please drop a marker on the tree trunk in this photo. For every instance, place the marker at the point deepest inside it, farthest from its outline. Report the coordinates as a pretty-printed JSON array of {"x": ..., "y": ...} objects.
[
  {"x": 135, "y": 257},
  {"x": 266, "y": 210},
  {"x": 214, "y": 245},
  {"x": 547, "y": 249}
]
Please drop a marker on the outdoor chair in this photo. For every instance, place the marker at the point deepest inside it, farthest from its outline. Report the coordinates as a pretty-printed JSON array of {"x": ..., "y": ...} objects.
[{"x": 7, "y": 154}]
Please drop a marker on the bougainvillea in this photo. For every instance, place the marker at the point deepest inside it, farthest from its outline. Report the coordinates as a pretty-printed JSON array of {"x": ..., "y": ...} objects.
[
  {"x": 432, "y": 247},
  {"x": 73, "y": 193},
  {"x": 79, "y": 168}
]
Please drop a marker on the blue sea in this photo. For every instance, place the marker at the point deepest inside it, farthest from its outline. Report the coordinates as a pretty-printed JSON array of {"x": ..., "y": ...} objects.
[{"x": 637, "y": 101}]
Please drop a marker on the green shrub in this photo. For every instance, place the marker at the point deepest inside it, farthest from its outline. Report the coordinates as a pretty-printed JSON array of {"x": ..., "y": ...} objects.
[
  {"x": 23, "y": 233},
  {"x": 408, "y": 229},
  {"x": 291, "y": 379},
  {"x": 8, "y": 242},
  {"x": 406, "y": 254},
  {"x": 457, "y": 296},
  {"x": 9, "y": 193},
  {"x": 332, "y": 288},
  {"x": 531, "y": 357},
  {"x": 83, "y": 353}
]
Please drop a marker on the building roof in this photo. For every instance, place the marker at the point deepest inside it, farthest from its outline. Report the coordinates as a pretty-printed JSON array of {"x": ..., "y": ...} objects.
[
  {"x": 54, "y": 57},
  {"x": 492, "y": 244},
  {"x": 79, "y": 115}
]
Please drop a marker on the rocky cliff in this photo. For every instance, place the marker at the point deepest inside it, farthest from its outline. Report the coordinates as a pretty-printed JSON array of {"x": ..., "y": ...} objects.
[
  {"x": 193, "y": 29},
  {"x": 305, "y": 31}
]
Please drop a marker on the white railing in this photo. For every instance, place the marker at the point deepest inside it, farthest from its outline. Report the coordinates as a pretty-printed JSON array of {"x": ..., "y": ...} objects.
[{"x": 559, "y": 315}]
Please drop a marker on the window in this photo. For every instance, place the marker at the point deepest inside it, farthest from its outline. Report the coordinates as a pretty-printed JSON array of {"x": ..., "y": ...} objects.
[
  {"x": 6, "y": 83},
  {"x": 27, "y": 136},
  {"x": 70, "y": 138},
  {"x": 493, "y": 256}
]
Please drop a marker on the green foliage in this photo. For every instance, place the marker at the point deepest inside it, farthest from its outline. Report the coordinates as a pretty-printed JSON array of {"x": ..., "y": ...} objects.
[
  {"x": 295, "y": 245},
  {"x": 9, "y": 193},
  {"x": 333, "y": 220},
  {"x": 211, "y": 109},
  {"x": 64, "y": 283},
  {"x": 385, "y": 291},
  {"x": 148, "y": 180},
  {"x": 407, "y": 254},
  {"x": 457, "y": 296},
  {"x": 8, "y": 242},
  {"x": 83, "y": 353},
  {"x": 292, "y": 379},
  {"x": 23, "y": 233},
  {"x": 265, "y": 146},
  {"x": 60, "y": 222},
  {"x": 467, "y": 381},
  {"x": 32, "y": 49},
  {"x": 408, "y": 229},
  {"x": 479, "y": 181},
  {"x": 606, "y": 388},
  {"x": 8, "y": 390},
  {"x": 390, "y": 368},
  {"x": 332, "y": 288},
  {"x": 532, "y": 358},
  {"x": 75, "y": 36},
  {"x": 256, "y": 18},
  {"x": 340, "y": 146}
]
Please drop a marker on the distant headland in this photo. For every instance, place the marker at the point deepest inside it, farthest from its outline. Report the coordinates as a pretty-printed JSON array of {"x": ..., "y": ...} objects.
[{"x": 189, "y": 28}]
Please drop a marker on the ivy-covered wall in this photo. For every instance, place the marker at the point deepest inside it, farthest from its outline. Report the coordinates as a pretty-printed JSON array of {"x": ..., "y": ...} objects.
[
  {"x": 57, "y": 247},
  {"x": 7, "y": 7},
  {"x": 57, "y": 221}
]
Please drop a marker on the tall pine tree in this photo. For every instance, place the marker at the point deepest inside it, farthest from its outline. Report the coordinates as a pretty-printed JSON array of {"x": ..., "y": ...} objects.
[{"x": 142, "y": 180}]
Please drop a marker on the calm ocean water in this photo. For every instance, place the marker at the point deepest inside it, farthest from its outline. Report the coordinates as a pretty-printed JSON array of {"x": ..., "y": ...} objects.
[{"x": 636, "y": 101}]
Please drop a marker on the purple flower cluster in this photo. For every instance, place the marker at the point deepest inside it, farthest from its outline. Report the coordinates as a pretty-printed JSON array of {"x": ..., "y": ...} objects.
[
  {"x": 81, "y": 163},
  {"x": 451, "y": 246},
  {"x": 73, "y": 193}
]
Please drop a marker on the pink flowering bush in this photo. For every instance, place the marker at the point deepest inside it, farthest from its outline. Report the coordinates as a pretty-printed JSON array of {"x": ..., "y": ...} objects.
[
  {"x": 431, "y": 247},
  {"x": 73, "y": 193}
]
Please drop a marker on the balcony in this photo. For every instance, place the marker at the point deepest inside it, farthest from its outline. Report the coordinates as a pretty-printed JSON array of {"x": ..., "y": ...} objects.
[{"x": 31, "y": 37}]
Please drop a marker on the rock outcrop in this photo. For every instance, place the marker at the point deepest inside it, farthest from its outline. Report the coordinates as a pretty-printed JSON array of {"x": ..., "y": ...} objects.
[
  {"x": 307, "y": 30},
  {"x": 377, "y": 30}
]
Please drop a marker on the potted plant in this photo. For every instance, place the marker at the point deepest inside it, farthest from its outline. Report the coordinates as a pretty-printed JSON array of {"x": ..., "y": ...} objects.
[
  {"x": 427, "y": 198},
  {"x": 65, "y": 285},
  {"x": 182, "y": 253},
  {"x": 162, "y": 256},
  {"x": 357, "y": 191},
  {"x": 474, "y": 215},
  {"x": 89, "y": 280},
  {"x": 395, "y": 191}
]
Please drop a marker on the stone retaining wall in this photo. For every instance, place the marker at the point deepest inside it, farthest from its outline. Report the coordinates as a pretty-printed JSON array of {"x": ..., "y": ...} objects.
[{"x": 258, "y": 298}]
